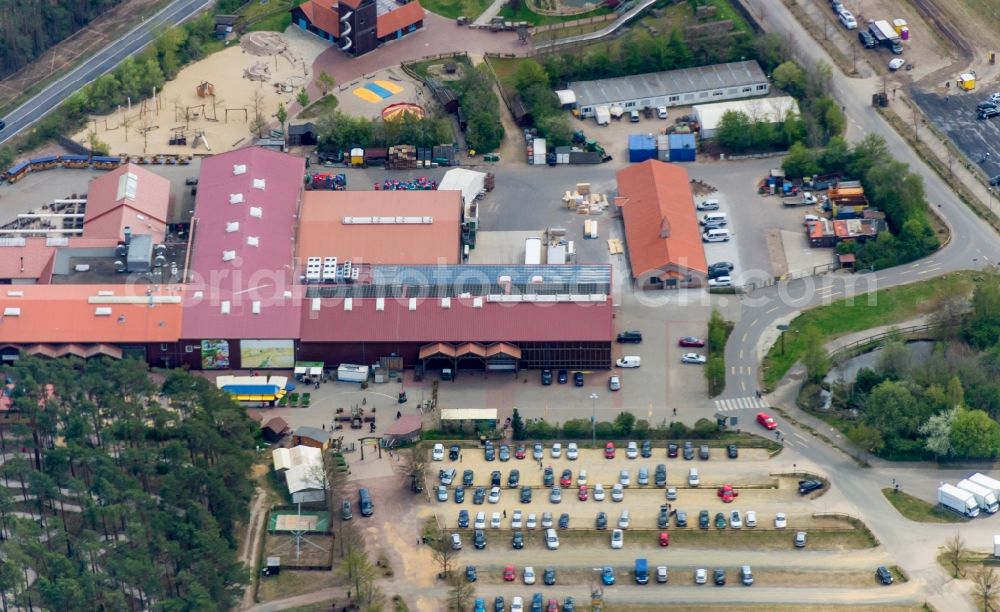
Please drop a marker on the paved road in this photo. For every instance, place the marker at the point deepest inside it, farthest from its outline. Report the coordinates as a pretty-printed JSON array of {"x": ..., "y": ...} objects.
[{"x": 101, "y": 62}]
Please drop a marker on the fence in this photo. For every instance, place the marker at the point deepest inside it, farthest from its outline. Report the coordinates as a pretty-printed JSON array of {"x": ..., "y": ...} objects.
[
  {"x": 573, "y": 24},
  {"x": 913, "y": 332},
  {"x": 814, "y": 271}
]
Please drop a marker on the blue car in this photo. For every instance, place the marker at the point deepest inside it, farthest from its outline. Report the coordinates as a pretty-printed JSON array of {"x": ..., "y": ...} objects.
[
  {"x": 470, "y": 573},
  {"x": 480, "y": 605},
  {"x": 536, "y": 602},
  {"x": 608, "y": 575},
  {"x": 463, "y": 519}
]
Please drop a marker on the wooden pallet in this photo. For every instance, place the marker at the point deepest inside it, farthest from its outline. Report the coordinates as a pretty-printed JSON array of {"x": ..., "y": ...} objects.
[{"x": 615, "y": 246}]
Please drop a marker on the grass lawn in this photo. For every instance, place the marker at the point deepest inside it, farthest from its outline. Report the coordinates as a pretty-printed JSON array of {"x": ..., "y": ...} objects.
[
  {"x": 918, "y": 510},
  {"x": 326, "y": 104},
  {"x": 274, "y": 23},
  {"x": 456, "y": 8},
  {"x": 847, "y": 538},
  {"x": 289, "y": 583},
  {"x": 884, "y": 307},
  {"x": 523, "y": 13}
]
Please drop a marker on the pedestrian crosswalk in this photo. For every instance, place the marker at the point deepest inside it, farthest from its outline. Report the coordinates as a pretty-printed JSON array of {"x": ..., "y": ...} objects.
[{"x": 740, "y": 403}]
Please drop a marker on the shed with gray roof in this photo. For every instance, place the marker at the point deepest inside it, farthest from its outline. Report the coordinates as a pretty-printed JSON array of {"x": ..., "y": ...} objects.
[{"x": 684, "y": 87}]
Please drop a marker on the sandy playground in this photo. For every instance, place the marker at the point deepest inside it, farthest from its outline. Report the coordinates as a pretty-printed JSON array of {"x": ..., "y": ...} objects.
[{"x": 214, "y": 98}]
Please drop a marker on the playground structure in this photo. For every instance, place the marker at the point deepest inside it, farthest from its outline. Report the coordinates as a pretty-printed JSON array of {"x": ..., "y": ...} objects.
[{"x": 396, "y": 112}]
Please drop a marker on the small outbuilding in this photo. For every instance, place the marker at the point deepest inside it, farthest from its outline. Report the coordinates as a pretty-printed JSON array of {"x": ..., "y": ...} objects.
[
  {"x": 311, "y": 436},
  {"x": 406, "y": 428},
  {"x": 303, "y": 134},
  {"x": 275, "y": 429}
]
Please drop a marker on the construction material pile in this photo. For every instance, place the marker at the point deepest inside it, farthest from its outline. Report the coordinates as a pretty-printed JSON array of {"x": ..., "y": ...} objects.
[
  {"x": 584, "y": 201},
  {"x": 418, "y": 184}
]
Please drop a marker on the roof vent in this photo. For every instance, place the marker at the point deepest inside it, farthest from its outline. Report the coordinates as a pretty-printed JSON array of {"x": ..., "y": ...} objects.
[
  {"x": 380, "y": 304},
  {"x": 11, "y": 312},
  {"x": 258, "y": 183},
  {"x": 664, "y": 228},
  {"x": 256, "y": 211},
  {"x": 236, "y": 198},
  {"x": 102, "y": 311},
  {"x": 105, "y": 293},
  {"x": 315, "y": 304},
  {"x": 239, "y": 169},
  {"x": 413, "y": 304},
  {"x": 253, "y": 240},
  {"x": 15, "y": 294},
  {"x": 446, "y": 302},
  {"x": 127, "y": 184},
  {"x": 225, "y": 307},
  {"x": 477, "y": 302},
  {"x": 232, "y": 226},
  {"x": 228, "y": 255},
  {"x": 199, "y": 294},
  {"x": 287, "y": 295},
  {"x": 348, "y": 304},
  {"x": 255, "y": 307}
]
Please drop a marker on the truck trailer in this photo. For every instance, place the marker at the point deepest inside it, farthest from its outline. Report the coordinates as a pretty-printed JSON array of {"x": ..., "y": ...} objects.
[
  {"x": 349, "y": 372},
  {"x": 886, "y": 36},
  {"x": 985, "y": 497},
  {"x": 959, "y": 500},
  {"x": 990, "y": 483}
]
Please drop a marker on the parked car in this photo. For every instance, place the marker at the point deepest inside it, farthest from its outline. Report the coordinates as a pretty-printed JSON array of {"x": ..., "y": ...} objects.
[
  {"x": 646, "y": 449},
  {"x": 459, "y": 495},
  {"x": 470, "y": 573},
  {"x": 609, "y": 450},
  {"x": 582, "y": 493},
  {"x": 800, "y": 539},
  {"x": 720, "y": 520},
  {"x": 453, "y": 452},
  {"x": 437, "y": 452},
  {"x": 516, "y": 604},
  {"x": 750, "y": 520},
  {"x": 780, "y": 521},
  {"x": 490, "y": 452},
  {"x": 617, "y": 538},
  {"x": 664, "y": 539},
  {"x": 555, "y": 495},
  {"x": 495, "y": 478},
  {"x": 525, "y": 495},
  {"x": 532, "y": 522},
  {"x": 694, "y": 358},
  {"x": 608, "y": 575},
  {"x": 848, "y": 20},
  {"x": 479, "y": 496},
  {"x": 624, "y": 519},
  {"x": 896, "y": 63},
  {"x": 447, "y": 476},
  {"x": 578, "y": 379},
  {"x": 480, "y": 520},
  {"x": 467, "y": 477},
  {"x": 517, "y": 540},
  {"x": 504, "y": 452},
  {"x": 727, "y": 493},
  {"x": 672, "y": 449},
  {"x": 703, "y": 521},
  {"x": 479, "y": 539},
  {"x": 691, "y": 341},
  {"x": 562, "y": 377},
  {"x": 495, "y": 520},
  {"x": 643, "y": 478},
  {"x": 632, "y": 450},
  {"x": 456, "y": 541},
  {"x": 537, "y": 451},
  {"x": 614, "y": 383},
  {"x": 719, "y": 577},
  {"x": 688, "y": 451},
  {"x": 732, "y": 452},
  {"x": 546, "y": 376},
  {"x": 601, "y": 522},
  {"x": 704, "y": 452},
  {"x": 746, "y": 575},
  {"x": 509, "y": 574},
  {"x": 995, "y": 181},
  {"x": 519, "y": 452},
  {"x": 516, "y": 520},
  {"x": 709, "y": 204},
  {"x": 528, "y": 575},
  {"x": 680, "y": 518},
  {"x": 572, "y": 451},
  {"x": 494, "y": 497},
  {"x": 661, "y": 573},
  {"x": 347, "y": 514},
  {"x": 884, "y": 575},
  {"x": 700, "y": 576},
  {"x": 989, "y": 113},
  {"x": 661, "y": 112},
  {"x": 549, "y": 576},
  {"x": 463, "y": 519},
  {"x": 566, "y": 479},
  {"x": 808, "y": 486},
  {"x": 442, "y": 493},
  {"x": 720, "y": 281},
  {"x": 660, "y": 476},
  {"x": 735, "y": 520},
  {"x": 617, "y": 493},
  {"x": 556, "y": 450},
  {"x": 598, "y": 492},
  {"x": 546, "y": 520},
  {"x": 693, "y": 479},
  {"x": 564, "y": 521},
  {"x": 548, "y": 479},
  {"x": 724, "y": 266},
  {"x": 867, "y": 40},
  {"x": 630, "y": 337},
  {"x": 663, "y": 517},
  {"x": 764, "y": 419},
  {"x": 480, "y": 605},
  {"x": 624, "y": 479}
]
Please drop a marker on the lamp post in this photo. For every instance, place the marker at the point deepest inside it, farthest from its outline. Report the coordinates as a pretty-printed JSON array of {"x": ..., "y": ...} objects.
[
  {"x": 593, "y": 419},
  {"x": 782, "y": 329}
]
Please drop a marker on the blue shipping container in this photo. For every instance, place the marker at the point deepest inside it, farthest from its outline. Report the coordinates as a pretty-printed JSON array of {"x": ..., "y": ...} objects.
[
  {"x": 682, "y": 147},
  {"x": 641, "y": 147}
]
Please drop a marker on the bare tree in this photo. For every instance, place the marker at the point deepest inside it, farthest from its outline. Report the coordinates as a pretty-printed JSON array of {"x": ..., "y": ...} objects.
[
  {"x": 954, "y": 550},
  {"x": 415, "y": 463},
  {"x": 356, "y": 570},
  {"x": 444, "y": 555},
  {"x": 986, "y": 585},
  {"x": 460, "y": 594},
  {"x": 257, "y": 121}
]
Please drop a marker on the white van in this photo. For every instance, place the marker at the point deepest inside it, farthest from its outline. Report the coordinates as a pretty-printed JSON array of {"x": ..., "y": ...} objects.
[
  {"x": 715, "y": 218},
  {"x": 847, "y": 18},
  {"x": 693, "y": 479},
  {"x": 551, "y": 539},
  {"x": 716, "y": 235},
  {"x": 629, "y": 361}
]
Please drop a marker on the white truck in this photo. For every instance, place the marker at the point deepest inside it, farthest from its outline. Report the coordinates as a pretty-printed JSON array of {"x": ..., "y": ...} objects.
[
  {"x": 985, "y": 497},
  {"x": 805, "y": 199},
  {"x": 959, "y": 500},
  {"x": 532, "y": 251},
  {"x": 990, "y": 483},
  {"x": 886, "y": 35}
]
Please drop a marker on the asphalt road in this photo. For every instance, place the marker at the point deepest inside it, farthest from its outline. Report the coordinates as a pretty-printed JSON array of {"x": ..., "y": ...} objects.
[{"x": 101, "y": 62}]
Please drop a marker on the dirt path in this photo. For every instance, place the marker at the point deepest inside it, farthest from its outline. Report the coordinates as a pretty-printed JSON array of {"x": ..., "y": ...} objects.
[{"x": 255, "y": 530}]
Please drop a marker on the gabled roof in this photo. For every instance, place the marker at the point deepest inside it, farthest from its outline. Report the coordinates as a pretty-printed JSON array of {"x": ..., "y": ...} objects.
[
  {"x": 277, "y": 425},
  {"x": 661, "y": 227},
  {"x": 129, "y": 196},
  {"x": 88, "y": 314},
  {"x": 404, "y": 16},
  {"x": 241, "y": 259},
  {"x": 322, "y": 15},
  {"x": 313, "y": 433}
]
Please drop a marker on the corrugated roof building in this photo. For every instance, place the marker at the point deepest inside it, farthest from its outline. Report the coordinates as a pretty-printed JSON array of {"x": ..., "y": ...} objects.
[
  {"x": 243, "y": 239},
  {"x": 765, "y": 110},
  {"x": 661, "y": 228},
  {"x": 673, "y": 88},
  {"x": 381, "y": 227},
  {"x": 129, "y": 196}
]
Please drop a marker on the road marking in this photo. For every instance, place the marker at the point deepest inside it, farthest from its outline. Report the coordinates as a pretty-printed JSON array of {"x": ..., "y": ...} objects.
[
  {"x": 798, "y": 435},
  {"x": 743, "y": 341},
  {"x": 741, "y": 354},
  {"x": 743, "y": 386},
  {"x": 649, "y": 413},
  {"x": 753, "y": 323},
  {"x": 749, "y": 402},
  {"x": 770, "y": 311}
]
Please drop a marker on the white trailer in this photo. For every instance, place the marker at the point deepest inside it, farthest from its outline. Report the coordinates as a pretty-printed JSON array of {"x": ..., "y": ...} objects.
[
  {"x": 985, "y": 497},
  {"x": 996, "y": 546},
  {"x": 349, "y": 372},
  {"x": 956, "y": 499},
  {"x": 990, "y": 483},
  {"x": 532, "y": 251},
  {"x": 538, "y": 152},
  {"x": 602, "y": 114}
]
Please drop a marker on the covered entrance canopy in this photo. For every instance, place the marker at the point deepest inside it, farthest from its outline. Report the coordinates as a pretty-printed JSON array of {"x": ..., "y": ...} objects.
[
  {"x": 496, "y": 356},
  {"x": 308, "y": 368}
]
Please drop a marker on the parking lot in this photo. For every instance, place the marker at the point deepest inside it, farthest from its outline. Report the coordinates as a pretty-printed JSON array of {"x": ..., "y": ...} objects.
[{"x": 955, "y": 115}]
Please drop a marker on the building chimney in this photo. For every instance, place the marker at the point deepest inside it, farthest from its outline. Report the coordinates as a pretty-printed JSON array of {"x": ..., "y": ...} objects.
[{"x": 664, "y": 228}]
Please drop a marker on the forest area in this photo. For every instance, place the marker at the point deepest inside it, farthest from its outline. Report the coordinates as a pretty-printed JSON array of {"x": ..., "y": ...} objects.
[
  {"x": 120, "y": 492},
  {"x": 30, "y": 27}
]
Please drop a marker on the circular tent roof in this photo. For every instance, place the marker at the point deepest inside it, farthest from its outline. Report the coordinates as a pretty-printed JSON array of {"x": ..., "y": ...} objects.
[{"x": 395, "y": 112}]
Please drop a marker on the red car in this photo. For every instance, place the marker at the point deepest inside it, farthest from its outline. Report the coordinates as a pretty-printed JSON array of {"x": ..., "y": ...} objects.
[
  {"x": 664, "y": 538},
  {"x": 553, "y": 606},
  {"x": 508, "y": 573},
  {"x": 764, "y": 419},
  {"x": 566, "y": 479},
  {"x": 582, "y": 494},
  {"x": 691, "y": 341},
  {"x": 609, "y": 450},
  {"x": 727, "y": 493},
  {"x": 519, "y": 452}
]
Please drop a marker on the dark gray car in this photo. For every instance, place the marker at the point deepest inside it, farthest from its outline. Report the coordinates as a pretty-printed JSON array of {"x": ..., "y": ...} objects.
[
  {"x": 345, "y": 511},
  {"x": 688, "y": 451}
]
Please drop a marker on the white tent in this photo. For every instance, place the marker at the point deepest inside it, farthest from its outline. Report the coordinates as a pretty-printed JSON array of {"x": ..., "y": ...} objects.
[
  {"x": 303, "y": 470},
  {"x": 287, "y": 458},
  {"x": 768, "y": 110},
  {"x": 469, "y": 182}
]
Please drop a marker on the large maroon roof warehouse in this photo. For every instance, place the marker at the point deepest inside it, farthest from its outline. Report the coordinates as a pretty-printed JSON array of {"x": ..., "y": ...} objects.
[
  {"x": 243, "y": 246},
  {"x": 475, "y": 319}
]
